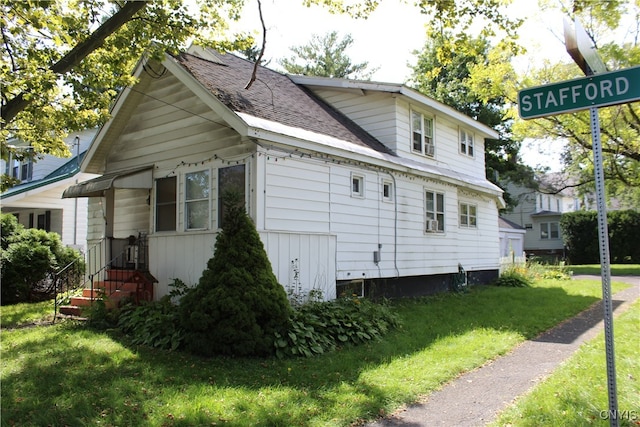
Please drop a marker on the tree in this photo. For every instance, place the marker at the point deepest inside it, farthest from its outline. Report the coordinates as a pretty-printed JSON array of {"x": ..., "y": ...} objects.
[
  {"x": 619, "y": 125},
  {"x": 65, "y": 61},
  {"x": 238, "y": 305},
  {"x": 458, "y": 70},
  {"x": 324, "y": 56}
]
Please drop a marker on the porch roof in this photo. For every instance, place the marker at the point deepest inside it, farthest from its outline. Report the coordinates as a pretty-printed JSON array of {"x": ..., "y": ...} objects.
[{"x": 135, "y": 178}]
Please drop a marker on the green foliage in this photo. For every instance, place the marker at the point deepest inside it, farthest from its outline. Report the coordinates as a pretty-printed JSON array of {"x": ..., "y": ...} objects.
[
  {"x": 319, "y": 327},
  {"x": 324, "y": 56},
  {"x": 30, "y": 257},
  {"x": 154, "y": 324},
  {"x": 238, "y": 304},
  {"x": 580, "y": 231},
  {"x": 515, "y": 277}
]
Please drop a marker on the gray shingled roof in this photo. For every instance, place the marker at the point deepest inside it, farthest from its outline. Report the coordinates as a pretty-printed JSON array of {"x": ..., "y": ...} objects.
[{"x": 273, "y": 96}]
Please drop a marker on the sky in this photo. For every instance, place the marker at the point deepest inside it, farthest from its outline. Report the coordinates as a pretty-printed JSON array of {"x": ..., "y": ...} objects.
[{"x": 388, "y": 38}]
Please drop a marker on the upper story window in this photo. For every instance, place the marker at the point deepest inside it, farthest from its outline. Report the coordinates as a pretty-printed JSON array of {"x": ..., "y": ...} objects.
[
  {"x": 466, "y": 143},
  {"x": 434, "y": 211},
  {"x": 468, "y": 215},
  {"x": 422, "y": 134},
  {"x": 20, "y": 169},
  {"x": 549, "y": 230},
  {"x": 166, "y": 204},
  {"x": 357, "y": 185},
  {"x": 197, "y": 191}
]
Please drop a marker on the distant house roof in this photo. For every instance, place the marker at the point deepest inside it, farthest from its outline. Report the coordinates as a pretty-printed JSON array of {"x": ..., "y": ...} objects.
[
  {"x": 67, "y": 170},
  {"x": 274, "y": 97},
  {"x": 505, "y": 223}
]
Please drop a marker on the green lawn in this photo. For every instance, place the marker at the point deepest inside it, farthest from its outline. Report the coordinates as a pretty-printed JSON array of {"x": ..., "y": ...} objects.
[
  {"x": 616, "y": 269},
  {"x": 66, "y": 374}
]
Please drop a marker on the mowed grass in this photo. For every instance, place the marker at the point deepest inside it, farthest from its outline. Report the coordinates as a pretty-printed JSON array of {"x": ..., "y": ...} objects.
[
  {"x": 616, "y": 269},
  {"x": 66, "y": 374},
  {"x": 576, "y": 394}
]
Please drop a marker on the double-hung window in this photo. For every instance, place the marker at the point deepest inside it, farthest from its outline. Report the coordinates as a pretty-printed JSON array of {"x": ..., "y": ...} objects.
[
  {"x": 196, "y": 200},
  {"x": 166, "y": 203},
  {"x": 466, "y": 143},
  {"x": 387, "y": 191},
  {"x": 434, "y": 211},
  {"x": 549, "y": 230},
  {"x": 422, "y": 134},
  {"x": 468, "y": 215}
]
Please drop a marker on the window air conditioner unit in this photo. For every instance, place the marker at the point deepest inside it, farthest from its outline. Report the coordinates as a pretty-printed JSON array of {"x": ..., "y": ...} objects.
[
  {"x": 429, "y": 149},
  {"x": 432, "y": 225}
]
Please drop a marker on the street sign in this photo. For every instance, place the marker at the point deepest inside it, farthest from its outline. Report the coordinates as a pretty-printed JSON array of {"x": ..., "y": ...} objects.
[
  {"x": 580, "y": 46},
  {"x": 599, "y": 90}
]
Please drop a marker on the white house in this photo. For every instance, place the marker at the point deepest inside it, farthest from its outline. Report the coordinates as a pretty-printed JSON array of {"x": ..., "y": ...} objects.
[
  {"x": 37, "y": 201},
  {"x": 539, "y": 211},
  {"x": 365, "y": 185}
]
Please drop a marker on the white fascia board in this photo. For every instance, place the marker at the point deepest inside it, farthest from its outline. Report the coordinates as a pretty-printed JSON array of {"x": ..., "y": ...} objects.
[
  {"x": 412, "y": 94},
  {"x": 104, "y": 129},
  {"x": 297, "y": 138}
]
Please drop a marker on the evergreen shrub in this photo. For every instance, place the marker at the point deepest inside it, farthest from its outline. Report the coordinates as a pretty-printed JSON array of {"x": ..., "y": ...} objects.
[{"x": 238, "y": 305}]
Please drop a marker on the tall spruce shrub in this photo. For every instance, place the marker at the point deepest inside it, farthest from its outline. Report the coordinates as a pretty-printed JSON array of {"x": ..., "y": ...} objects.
[{"x": 238, "y": 304}]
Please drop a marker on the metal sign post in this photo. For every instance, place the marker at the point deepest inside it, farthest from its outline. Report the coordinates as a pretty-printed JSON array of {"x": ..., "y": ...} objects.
[
  {"x": 603, "y": 243},
  {"x": 596, "y": 90}
]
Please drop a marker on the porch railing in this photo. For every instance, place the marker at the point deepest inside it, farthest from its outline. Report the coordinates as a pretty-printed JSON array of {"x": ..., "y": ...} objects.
[{"x": 107, "y": 254}]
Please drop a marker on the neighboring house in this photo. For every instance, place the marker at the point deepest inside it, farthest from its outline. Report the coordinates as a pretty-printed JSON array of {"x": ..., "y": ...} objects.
[
  {"x": 37, "y": 201},
  {"x": 365, "y": 186},
  {"x": 539, "y": 212}
]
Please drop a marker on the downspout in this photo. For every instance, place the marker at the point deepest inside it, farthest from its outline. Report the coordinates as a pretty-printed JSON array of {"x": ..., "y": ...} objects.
[{"x": 75, "y": 207}]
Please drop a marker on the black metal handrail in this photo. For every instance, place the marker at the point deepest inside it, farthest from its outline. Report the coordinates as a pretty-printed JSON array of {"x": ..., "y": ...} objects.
[{"x": 132, "y": 255}]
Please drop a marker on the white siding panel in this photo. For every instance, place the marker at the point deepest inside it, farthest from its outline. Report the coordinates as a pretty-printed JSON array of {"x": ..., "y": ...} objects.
[
  {"x": 313, "y": 255},
  {"x": 132, "y": 213},
  {"x": 296, "y": 195}
]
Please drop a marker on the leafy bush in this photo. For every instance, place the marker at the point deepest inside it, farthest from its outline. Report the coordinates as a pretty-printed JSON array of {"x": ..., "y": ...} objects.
[
  {"x": 29, "y": 258},
  {"x": 580, "y": 232},
  {"x": 320, "y": 327},
  {"x": 238, "y": 304},
  {"x": 515, "y": 277},
  {"x": 154, "y": 324}
]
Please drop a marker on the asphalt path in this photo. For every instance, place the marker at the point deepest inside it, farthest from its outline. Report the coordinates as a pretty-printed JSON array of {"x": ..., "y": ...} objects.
[{"x": 477, "y": 397}]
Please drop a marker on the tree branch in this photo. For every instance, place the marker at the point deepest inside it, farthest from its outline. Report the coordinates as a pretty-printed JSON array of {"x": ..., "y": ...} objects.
[
  {"x": 77, "y": 54},
  {"x": 264, "y": 43}
]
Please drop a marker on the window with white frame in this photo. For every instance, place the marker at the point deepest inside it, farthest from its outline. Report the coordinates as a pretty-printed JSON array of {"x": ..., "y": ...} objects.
[
  {"x": 466, "y": 143},
  {"x": 196, "y": 200},
  {"x": 231, "y": 179},
  {"x": 549, "y": 230},
  {"x": 468, "y": 215},
  {"x": 166, "y": 203},
  {"x": 357, "y": 185},
  {"x": 387, "y": 191},
  {"x": 422, "y": 134},
  {"x": 434, "y": 211}
]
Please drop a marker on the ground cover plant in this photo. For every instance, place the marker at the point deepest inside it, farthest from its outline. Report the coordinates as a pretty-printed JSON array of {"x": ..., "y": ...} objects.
[
  {"x": 576, "y": 393},
  {"x": 66, "y": 374}
]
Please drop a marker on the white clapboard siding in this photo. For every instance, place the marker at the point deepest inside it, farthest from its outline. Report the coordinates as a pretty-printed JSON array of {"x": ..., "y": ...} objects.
[
  {"x": 296, "y": 195},
  {"x": 374, "y": 112},
  {"x": 132, "y": 212}
]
